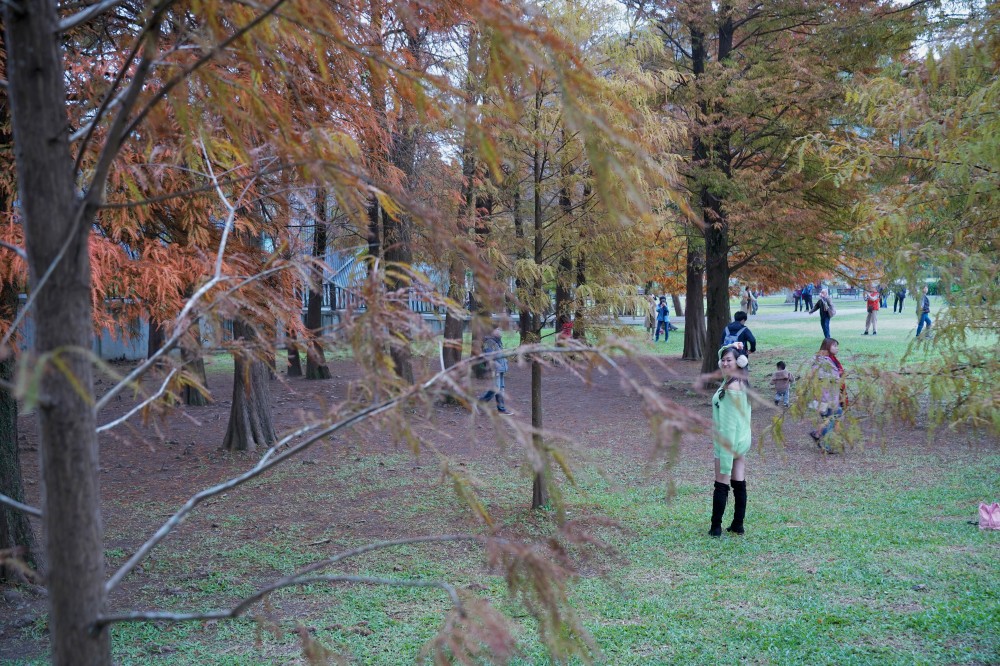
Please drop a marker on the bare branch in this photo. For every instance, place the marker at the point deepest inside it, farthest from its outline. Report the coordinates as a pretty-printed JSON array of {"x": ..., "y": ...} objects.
[
  {"x": 290, "y": 581},
  {"x": 272, "y": 458},
  {"x": 13, "y": 503},
  {"x": 140, "y": 406},
  {"x": 85, "y": 15}
]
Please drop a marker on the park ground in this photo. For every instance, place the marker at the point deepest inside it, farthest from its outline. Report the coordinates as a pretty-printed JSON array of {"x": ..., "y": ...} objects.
[{"x": 866, "y": 557}]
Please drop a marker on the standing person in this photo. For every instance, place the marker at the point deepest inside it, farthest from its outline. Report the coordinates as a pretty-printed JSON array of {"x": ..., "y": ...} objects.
[
  {"x": 797, "y": 298},
  {"x": 883, "y": 295},
  {"x": 830, "y": 406},
  {"x": 807, "y": 297},
  {"x": 874, "y": 299},
  {"x": 925, "y": 313},
  {"x": 737, "y": 331},
  {"x": 662, "y": 320},
  {"x": 898, "y": 300},
  {"x": 745, "y": 300},
  {"x": 826, "y": 311},
  {"x": 782, "y": 382},
  {"x": 492, "y": 348},
  {"x": 753, "y": 301},
  {"x": 731, "y": 438}
]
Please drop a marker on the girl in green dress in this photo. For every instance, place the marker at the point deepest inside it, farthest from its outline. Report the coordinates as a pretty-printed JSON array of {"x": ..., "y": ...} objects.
[{"x": 730, "y": 438}]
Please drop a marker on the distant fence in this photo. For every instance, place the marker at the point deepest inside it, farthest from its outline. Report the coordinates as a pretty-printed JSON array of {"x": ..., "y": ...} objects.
[{"x": 336, "y": 297}]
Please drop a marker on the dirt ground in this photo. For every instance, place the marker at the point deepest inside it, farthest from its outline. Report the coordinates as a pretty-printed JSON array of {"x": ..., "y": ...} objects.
[{"x": 160, "y": 465}]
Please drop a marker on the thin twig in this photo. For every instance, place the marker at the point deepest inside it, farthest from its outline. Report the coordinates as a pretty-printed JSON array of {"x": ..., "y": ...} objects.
[
  {"x": 140, "y": 406},
  {"x": 13, "y": 503}
]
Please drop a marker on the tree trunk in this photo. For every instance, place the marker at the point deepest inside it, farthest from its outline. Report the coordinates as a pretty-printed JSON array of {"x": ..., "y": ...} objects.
[
  {"x": 539, "y": 492},
  {"x": 484, "y": 300},
  {"x": 250, "y": 423},
  {"x": 52, "y": 216},
  {"x": 15, "y": 530},
  {"x": 694, "y": 319},
  {"x": 523, "y": 313},
  {"x": 454, "y": 325},
  {"x": 715, "y": 217},
  {"x": 717, "y": 296},
  {"x": 157, "y": 336},
  {"x": 294, "y": 359},
  {"x": 316, "y": 367},
  {"x": 194, "y": 364},
  {"x": 678, "y": 310}
]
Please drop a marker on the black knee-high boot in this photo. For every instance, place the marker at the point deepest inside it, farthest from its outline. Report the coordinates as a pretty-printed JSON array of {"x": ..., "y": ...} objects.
[
  {"x": 739, "y": 506},
  {"x": 719, "y": 498}
]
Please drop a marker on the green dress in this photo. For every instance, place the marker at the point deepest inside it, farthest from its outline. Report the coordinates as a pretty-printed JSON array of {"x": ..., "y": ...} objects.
[{"x": 730, "y": 427}]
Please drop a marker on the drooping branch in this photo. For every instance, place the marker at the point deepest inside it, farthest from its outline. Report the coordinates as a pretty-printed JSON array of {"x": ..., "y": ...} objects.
[
  {"x": 273, "y": 458},
  {"x": 138, "y": 408}
]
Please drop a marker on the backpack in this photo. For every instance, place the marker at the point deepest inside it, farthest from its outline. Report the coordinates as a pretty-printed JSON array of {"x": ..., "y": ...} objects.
[{"x": 732, "y": 337}]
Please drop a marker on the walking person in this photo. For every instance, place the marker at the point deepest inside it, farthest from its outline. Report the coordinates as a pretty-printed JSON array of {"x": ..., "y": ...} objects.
[
  {"x": 898, "y": 300},
  {"x": 731, "y": 438},
  {"x": 883, "y": 295},
  {"x": 925, "y": 314},
  {"x": 826, "y": 311},
  {"x": 797, "y": 299},
  {"x": 745, "y": 300},
  {"x": 874, "y": 300},
  {"x": 753, "y": 302},
  {"x": 493, "y": 348},
  {"x": 832, "y": 402},
  {"x": 662, "y": 320}
]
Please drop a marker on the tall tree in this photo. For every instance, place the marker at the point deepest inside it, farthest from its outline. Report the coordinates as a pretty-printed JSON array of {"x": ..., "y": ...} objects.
[
  {"x": 316, "y": 367},
  {"x": 757, "y": 78}
]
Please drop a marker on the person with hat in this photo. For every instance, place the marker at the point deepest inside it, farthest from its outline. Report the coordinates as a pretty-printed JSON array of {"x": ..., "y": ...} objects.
[{"x": 731, "y": 438}]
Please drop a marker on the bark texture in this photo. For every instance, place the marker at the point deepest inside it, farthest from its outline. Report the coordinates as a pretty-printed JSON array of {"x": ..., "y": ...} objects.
[
  {"x": 54, "y": 218},
  {"x": 15, "y": 529},
  {"x": 250, "y": 424},
  {"x": 194, "y": 365},
  {"x": 294, "y": 358},
  {"x": 316, "y": 367}
]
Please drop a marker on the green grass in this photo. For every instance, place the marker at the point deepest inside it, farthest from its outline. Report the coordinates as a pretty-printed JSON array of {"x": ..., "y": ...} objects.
[
  {"x": 871, "y": 562},
  {"x": 868, "y": 567}
]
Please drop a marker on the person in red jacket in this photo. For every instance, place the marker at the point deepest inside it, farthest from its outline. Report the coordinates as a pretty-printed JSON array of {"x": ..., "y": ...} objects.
[{"x": 874, "y": 299}]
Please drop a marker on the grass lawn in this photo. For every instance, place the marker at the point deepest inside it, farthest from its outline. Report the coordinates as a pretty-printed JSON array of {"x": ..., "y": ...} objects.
[
  {"x": 868, "y": 566},
  {"x": 862, "y": 558}
]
